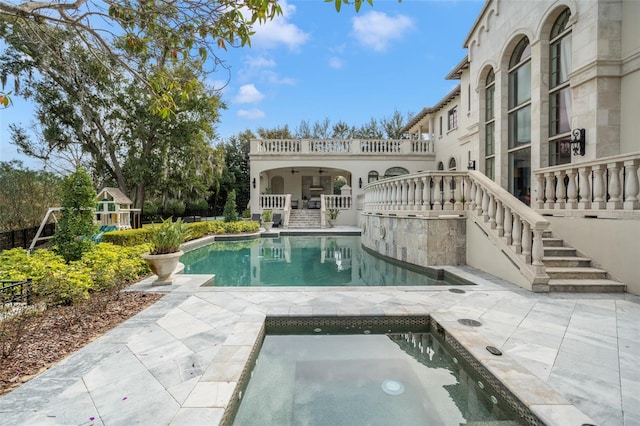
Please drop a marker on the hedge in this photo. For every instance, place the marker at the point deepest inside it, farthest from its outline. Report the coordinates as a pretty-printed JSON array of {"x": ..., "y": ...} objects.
[{"x": 133, "y": 237}]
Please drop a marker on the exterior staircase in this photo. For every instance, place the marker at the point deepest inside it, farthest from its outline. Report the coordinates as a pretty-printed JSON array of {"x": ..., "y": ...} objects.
[
  {"x": 304, "y": 218},
  {"x": 569, "y": 272}
]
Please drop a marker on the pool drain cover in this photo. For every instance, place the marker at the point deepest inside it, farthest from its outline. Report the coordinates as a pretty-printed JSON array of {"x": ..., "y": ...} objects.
[
  {"x": 470, "y": 322},
  {"x": 392, "y": 387}
]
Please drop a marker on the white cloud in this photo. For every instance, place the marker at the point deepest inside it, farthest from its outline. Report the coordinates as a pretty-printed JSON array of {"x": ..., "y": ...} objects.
[
  {"x": 248, "y": 94},
  {"x": 336, "y": 63},
  {"x": 280, "y": 31},
  {"x": 251, "y": 114},
  {"x": 378, "y": 30},
  {"x": 259, "y": 62}
]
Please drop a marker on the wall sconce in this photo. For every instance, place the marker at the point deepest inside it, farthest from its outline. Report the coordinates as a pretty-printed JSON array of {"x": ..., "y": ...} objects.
[
  {"x": 578, "y": 141},
  {"x": 254, "y": 183},
  {"x": 360, "y": 183},
  {"x": 471, "y": 165}
]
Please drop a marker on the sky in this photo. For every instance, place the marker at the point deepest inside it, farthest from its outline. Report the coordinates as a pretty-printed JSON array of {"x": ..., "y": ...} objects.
[{"x": 313, "y": 63}]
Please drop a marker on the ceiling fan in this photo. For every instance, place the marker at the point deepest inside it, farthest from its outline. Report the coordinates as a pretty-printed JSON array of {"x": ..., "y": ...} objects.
[
  {"x": 320, "y": 171},
  {"x": 294, "y": 171}
]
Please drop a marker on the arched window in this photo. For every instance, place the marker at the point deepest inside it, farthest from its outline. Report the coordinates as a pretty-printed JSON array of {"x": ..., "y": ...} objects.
[
  {"x": 373, "y": 176},
  {"x": 489, "y": 125},
  {"x": 396, "y": 171},
  {"x": 560, "y": 90},
  {"x": 519, "y": 113},
  {"x": 452, "y": 164},
  {"x": 440, "y": 165}
]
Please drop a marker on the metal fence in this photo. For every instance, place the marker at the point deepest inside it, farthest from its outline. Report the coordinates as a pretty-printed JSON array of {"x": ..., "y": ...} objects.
[
  {"x": 23, "y": 237},
  {"x": 12, "y": 291}
]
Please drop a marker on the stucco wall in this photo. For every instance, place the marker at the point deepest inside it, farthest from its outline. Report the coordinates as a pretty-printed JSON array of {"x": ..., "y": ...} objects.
[
  {"x": 483, "y": 254},
  {"x": 416, "y": 240},
  {"x": 612, "y": 244}
]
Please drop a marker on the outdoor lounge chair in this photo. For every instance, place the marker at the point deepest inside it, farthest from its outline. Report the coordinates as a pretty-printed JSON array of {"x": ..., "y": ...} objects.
[
  {"x": 277, "y": 220},
  {"x": 256, "y": 217}
]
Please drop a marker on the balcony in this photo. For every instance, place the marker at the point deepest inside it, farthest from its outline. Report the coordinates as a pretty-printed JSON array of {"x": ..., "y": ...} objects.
[{"x": 326, "y": 147}]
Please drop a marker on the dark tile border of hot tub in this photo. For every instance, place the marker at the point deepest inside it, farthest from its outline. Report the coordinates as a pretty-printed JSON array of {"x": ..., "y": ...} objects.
[{"x": 374, "y": 324}]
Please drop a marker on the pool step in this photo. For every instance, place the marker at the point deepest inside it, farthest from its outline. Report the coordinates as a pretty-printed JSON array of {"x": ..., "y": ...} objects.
[{"x": 570, "y": 272}]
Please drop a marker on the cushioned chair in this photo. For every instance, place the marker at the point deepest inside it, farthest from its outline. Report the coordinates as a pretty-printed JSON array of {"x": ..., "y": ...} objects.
[
  {"x": 277, "y": 220},
  {"x": 256, "y": 217}
]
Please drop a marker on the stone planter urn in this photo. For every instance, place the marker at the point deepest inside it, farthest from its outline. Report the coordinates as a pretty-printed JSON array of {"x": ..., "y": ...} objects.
[
  {"x": 163, "y": 265},
  {"x": 267, "y": 225}
]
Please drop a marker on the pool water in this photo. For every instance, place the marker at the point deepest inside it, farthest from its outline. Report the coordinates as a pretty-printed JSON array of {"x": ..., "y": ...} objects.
[
  {"x": 385, "y": 379},
  {"x": 300, "y": 261}
]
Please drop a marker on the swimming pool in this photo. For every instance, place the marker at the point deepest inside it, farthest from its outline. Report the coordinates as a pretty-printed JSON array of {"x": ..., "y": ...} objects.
[
  {"x": 393, "y": 378},
  {"x": 303, "y": 261}
]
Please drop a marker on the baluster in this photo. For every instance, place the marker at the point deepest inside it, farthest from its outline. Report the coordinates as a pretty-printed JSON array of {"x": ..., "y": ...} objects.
[
  {"x": 516, "y": 234},
  {"x": 410, "y": 194},
  {"x": 615, "y": 188},
  {"x": 398, "y": 190},
  {"x": 539, "y": 191},
  {"x": 598, "y": 187},
  {"x": 426, "y": 192},
  {"x": 499, "y": 218},
  {"x": 526, "y": 241},
  {"x": 549, "y": 191},
  {"x": 472, "y": 194},
  {"x": 492, "y": 211},
  {"x": 468, "y": 193},
  {"x": 584, "y": 191},
  {"x": 508, "y": 224},
  {"x": 457, "y": 193},
  {"x": 485, "y": 205},
  {"x": 478, "y": 199},
  {"x": 417, "y": 202},
  {"x": 446, "y": 193},
  {"x": 437, "y": 196},
  {"x": 631, "y": 187},
  {"x": 560, "y": 190},
  {"x": 537, "y": 252},
  {"x": 572, "y": 192}
]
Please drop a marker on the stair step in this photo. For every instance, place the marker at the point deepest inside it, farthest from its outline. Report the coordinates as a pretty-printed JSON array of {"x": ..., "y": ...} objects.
[
  {"x": 559, "y": 251},
  {"x": 568, "y": 261},
  {"x": 547, "y": 234},
  {"x": 552, "y": 242},
  {"x": 580, "y": 273},
  {"x": 586, "y": 286}
]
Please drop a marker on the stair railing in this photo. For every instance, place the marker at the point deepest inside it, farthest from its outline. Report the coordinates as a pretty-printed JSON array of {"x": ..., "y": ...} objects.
[{"x": 512, "y": 225}]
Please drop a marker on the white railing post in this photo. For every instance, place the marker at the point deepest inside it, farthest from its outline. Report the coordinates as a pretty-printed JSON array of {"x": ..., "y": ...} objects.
[
  {"x": 485, "y": 205},
  {"x": 516, "y": 234},
  {"x": 540, "y": 193},
  {"x": 499, "y": 218},
  {"x": 508, "y": 225},
  {"x": 549, "y": 193},
  {"x": 572, "y": 193},
  {"x": 560, "y": 191},
  {"x": 614, "y": 187},
  {"x": 437, "y": 195},
  {"x": 631, "y": 186},
  {"x": 526, "y": 241},
  {"x": 447, "y": 193},
  {"x": 426, "y": 193},
  {"x": 584, "y": 195},
  {"x": 492, "y": 211},
  {"x": 598, "y": 187}
]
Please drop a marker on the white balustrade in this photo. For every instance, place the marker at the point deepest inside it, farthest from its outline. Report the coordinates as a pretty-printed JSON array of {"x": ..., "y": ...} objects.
[
  {"x": 510, "y": 221},
  {"x": 273, "y": 201},
  {"x": 608, "y": 184},
  {"x": 341, "y": 146}
]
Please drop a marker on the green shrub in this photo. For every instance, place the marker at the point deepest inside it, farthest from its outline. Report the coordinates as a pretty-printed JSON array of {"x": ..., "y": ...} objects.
[
  {"x": 230, "y": 210},
  {"x": 198, "y": 205},
  {"x": 128, "y": 237},
  {"x": 173, "y": 208},
  {"x": 150, "y": 209},
  {"x": 198, "y": 230},
  {"x": 102, "y": 268},
  {"x": 75, "y": 227}
]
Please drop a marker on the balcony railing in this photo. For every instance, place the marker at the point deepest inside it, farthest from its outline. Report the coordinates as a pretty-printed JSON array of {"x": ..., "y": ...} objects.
[
  {"x": 341, "y": 146},
  {"x": 608, "y": 185},
  {"x": 509, "y": 222}
]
